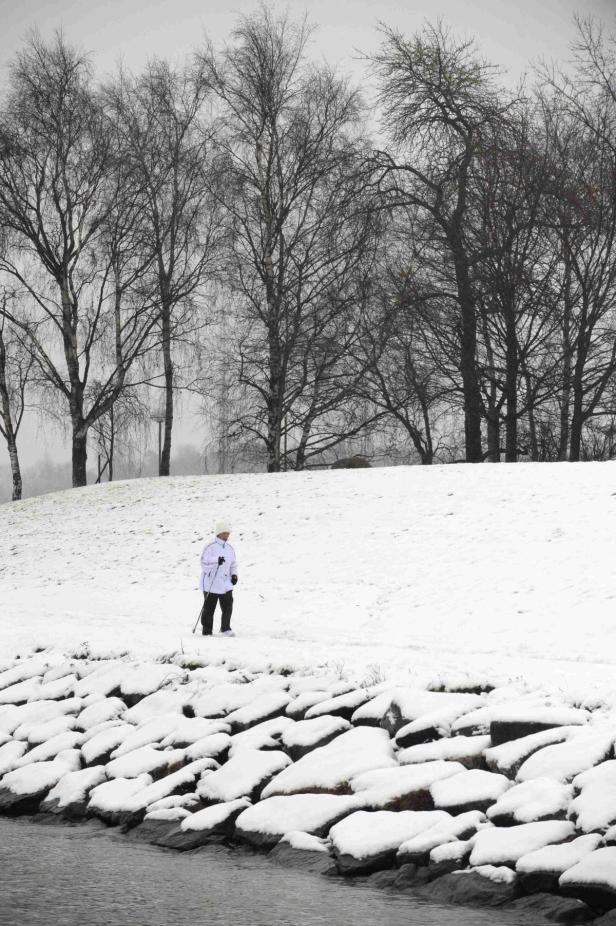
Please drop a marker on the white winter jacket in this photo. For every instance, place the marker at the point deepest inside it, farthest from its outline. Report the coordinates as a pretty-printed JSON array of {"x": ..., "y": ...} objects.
[{"x": 221, "y": 576}]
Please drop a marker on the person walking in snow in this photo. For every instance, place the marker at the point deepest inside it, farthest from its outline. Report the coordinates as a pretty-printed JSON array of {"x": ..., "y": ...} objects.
[{"x": 218, "y": 576}]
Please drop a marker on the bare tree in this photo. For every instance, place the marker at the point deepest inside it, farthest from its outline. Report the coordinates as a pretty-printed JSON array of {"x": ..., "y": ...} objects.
[
  {"x": 439, "y": 102},
  {"x": 298, "y": 233},
  {"x": 168, "y": 142},
  {"x": 67, "y": 202},
  {"x": 16, "y": 367}
]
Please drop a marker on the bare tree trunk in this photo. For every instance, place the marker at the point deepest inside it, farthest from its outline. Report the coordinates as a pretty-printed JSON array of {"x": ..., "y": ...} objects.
[
  {"x": 532, "y": 425},
  {"x": 15, "y": 469},
  {"x": 565, "y": 395},
  {"x": 165, "y": 456},
  {"x": 79, "y": 455},
  {"x": 511, "y": 389}
]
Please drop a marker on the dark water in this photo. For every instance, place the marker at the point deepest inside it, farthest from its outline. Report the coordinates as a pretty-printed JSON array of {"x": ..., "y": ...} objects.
[{"x": 63, "y": 876}]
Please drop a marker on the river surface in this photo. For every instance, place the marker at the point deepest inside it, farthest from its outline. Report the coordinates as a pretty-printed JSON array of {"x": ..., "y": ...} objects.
[{"x": 61, "y": 875}]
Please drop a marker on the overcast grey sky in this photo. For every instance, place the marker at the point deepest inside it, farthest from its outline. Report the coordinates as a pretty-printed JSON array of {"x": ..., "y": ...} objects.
[{"x": 510, "y": 34}]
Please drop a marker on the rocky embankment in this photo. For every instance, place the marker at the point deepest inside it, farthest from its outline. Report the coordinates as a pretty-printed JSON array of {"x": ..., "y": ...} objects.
[{"x": 502, "y": 797}]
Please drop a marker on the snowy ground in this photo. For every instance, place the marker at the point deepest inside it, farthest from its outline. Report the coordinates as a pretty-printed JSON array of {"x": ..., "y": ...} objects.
[{"x": 410, "y": 574}]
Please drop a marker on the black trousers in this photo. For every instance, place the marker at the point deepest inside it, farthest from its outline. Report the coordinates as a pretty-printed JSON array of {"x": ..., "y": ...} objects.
[{"x": 209, "y": 606}]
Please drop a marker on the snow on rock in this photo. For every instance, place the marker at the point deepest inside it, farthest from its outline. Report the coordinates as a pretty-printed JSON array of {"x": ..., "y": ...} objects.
[
  {"x": 160, "y": 702},
  {"x": 113, "y": 800},
  {"x": 508, "y": 757},
  {"x": 500, "y": 874},
  {"x": 40, "y": 733},
  {"x": 472, "y": 789},
  {"x": 98, "y": 748},
  {"x": 299, "y": 684},
  {"x": 505, "y": 845},
  {"x": 305, "y": 735},
  {"x": 297, "y": 707},
  {"x": 180, "y": 782},
  {"x": 305, "y": 842},
  {"x": 330, "y": 767},
  {"x": 536, "y": 799},
  {"x": 467, "y": 750},
  {"x": 22, "y": 789},
  {"x": 593, "y": 879},
  {"x": 18, "y": 720},
  {"x": 146, "y": 759},
  {"x": 431, "y": 725},
  {"x": 189, "y": 730},
  {"x": 104, "y": 680},
  {"x": 265, "y": 706},
  {"x": 343, "y": 705},
  {"x": 99, "y": 712},
  {"x": 409, "y": 704},
  {"x": 23, "y": 670},
  {"x": 454, "y": 829},
  {"x": 69, "y": 797},
  {"x": 176, "y": 800},
  {"x": 52, "y": 747},
  {"x": 146, "y": 678},
  {"x": 63, "y": 687},
  {"x": 210, "y": 746},
  {"x": 216, "y": 818},
  {"x": 264, "y": 735},
  {"x": 564, "y": 761},
  {"x": 510, "y": 723},
  {"x": 404, "y": 788},
  {"x": 168, "y": 815},
  {"x": 595, "y": 806},
  {"x": 372, "y": 712},
  {"x": 150, "y": 730},
  {"x": 21, "y": 692},
  {"x": 266, "y": 822},
  {"x": 367, "y": 841},
  {"x": 221, "y": 700},
  {"x": 501, "y": 699},
  {"x": 541, "y": 869},
  {"x": 244, "y": 775},
  {"x": 10, "y": 753},
  {"x": 457, "y": 851}
]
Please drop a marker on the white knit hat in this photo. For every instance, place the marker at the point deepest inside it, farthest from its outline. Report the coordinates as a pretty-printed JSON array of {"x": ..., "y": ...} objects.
[{"x": 223, "y": 527}]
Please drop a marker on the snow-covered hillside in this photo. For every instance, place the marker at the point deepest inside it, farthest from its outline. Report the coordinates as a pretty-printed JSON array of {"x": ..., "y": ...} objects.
[{"x": 412, "y": 574}]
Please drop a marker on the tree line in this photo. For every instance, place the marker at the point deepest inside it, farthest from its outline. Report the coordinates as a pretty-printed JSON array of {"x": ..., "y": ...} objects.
[{"x": 427, "y": 276}]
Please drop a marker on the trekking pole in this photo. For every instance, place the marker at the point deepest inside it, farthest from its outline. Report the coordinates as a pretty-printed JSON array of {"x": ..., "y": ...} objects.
[{"x": 206, "y": 598}]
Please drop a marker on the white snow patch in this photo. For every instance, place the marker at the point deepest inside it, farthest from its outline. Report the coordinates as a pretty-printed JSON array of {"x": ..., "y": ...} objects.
[
  {"x": 240, "y": 775},
  {"x": 505, "y": 845}
]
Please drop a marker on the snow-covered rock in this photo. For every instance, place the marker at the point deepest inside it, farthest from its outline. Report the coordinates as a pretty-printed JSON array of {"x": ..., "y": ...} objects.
[
  {"x": 402, "y": 788},
  {"x": 536, "y": 799},
  {"x": 595, "y": 806},
  {"x": 216, "y": 819},
  {"x": 367, "y": 841},
  {"x": 150, "y": 730},
  {"x": 40, "y": 733},
  {"x": 564, "y": 761},
  {"x": 98, "y": 748},
  {"x": 244, "y": 775},
  {"x": 409, "y": 704},
  {"x": 213, "y": 746},
  {"x": 343, "y": 705},
  {"x": 467, "y": 750},
  {"x": 505, "y": 845},
  {"x": 266, "y": 735},
  {"x": 510, "y": 723},
  {"x": 471, "y": 789},
  {"x": 21, "y": 692},
  {"x": 593, "y": 879},
  {"x": 22, "y": 790},
  {"x": 146, "y": 678},
  {"x": 460, "y": 828},
  {"x": 104, "y": 680},
  {"x": 113, "y": 800},
  {"x": 144, "y": 760},
  {"x": 99, "y": 712},
  {"x": 266, "y": 822},
  {"x": 10, "y": 753},
  {"x": 153, "y": 705},
  {"x": 508, "y": 757},
  {"x": 265, "y": 706},
  {"x": 330, "y": 767},
  {"x": 305, "y": 735},
  {"x": 541, "y": 869},
  {"x": 50, "y": 749},
  {"x": 372, "y": 712},
  {"x": 63, "y": 687},
  {"x": 188, "y": 730},
  {"x": 69, "y": 797}
]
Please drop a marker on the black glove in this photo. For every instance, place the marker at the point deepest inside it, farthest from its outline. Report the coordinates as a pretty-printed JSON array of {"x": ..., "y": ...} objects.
[
  {"x": 233, "y": 580},
  {"x": 221, "y": 560}
]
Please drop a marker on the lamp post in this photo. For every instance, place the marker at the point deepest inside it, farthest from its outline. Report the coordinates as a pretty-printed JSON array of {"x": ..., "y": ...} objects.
[{"x": 160, "y": 417}]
